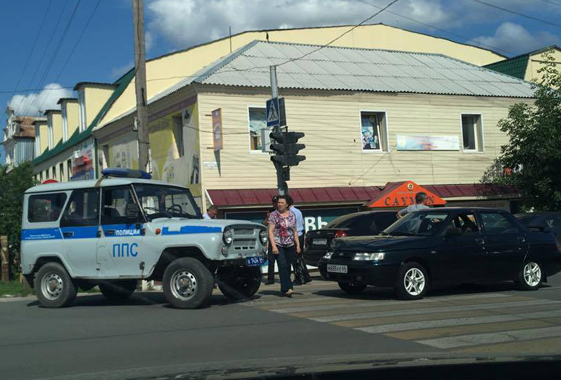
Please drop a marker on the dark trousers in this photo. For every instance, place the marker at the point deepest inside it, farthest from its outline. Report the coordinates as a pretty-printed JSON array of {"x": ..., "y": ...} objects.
[
  {"x": 285, "y": 258},
  {"x": 271, "y": 268}
]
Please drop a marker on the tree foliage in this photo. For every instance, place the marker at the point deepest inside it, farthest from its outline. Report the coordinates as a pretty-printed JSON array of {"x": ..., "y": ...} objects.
[
  {"x": 13, "y": 184},
  {"x": 532, "y": 157}
]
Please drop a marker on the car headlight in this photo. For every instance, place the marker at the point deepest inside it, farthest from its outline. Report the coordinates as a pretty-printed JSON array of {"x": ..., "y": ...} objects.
[
  {"x": 227, "y": 236},
  {"x": 328, "y": 255},
  {"x": 367, "y": 256},
  {"x": 263, "y": 237}
]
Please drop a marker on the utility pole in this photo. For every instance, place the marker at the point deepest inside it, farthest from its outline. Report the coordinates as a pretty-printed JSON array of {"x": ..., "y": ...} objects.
[
  {"x": 281, "y": 183},
  {"x": 140, "y": 85}
]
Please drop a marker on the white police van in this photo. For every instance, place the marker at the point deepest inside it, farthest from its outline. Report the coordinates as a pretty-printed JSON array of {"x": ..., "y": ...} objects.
[{"x": 125, "y": 227}]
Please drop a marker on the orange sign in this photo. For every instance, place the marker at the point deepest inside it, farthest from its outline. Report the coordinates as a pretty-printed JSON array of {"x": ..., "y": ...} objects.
[{"x": 403, "y": 195}]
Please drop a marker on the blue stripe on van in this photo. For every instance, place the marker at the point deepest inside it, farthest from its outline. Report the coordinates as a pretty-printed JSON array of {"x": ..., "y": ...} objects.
[
  {"x": 191, "y": 230},
  {"x": 41, "y": 234},
  {"x": 122, "y": 230}
]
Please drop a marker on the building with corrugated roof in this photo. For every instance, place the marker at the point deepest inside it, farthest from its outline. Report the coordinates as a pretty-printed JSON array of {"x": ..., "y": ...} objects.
[{"x": 18, "y": 138}]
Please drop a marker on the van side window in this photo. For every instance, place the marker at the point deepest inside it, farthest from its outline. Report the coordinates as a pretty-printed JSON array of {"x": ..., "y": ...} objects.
[
  {"x": 82, "y": 209},
  {"x": 115, "y": 201},
  {"x": 45, "y": 207}
]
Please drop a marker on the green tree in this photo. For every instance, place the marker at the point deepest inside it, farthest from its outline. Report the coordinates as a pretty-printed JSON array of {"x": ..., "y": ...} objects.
[
  {"x": 13, "y": 184},
  {"x": 532, "y": 157}
]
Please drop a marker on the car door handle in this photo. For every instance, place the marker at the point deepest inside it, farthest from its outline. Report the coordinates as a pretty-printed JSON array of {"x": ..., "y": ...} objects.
[
  {"x": 68, "y": 234},
  {"x": 479, "y": 241},
  {"x": 109, "y": 232},
  {"x": 521, "y": 239}
]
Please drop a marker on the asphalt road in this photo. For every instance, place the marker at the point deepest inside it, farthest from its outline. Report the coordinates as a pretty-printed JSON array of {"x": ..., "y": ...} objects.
[{"x": 144, "y": 338}]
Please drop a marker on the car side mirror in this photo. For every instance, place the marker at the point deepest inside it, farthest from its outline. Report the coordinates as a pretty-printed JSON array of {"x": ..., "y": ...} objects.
[
  {"x": 131, "y": 211},
  {"x": 452, "y": 231}
]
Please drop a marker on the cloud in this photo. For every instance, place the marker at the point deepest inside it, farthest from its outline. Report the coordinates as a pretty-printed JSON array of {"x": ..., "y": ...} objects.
[
  {"x": 186, "y": 23},
  {"x": 119, "y": 71},
  {"x": 31, "y": 104},
  {"x": 515, "y": 38}
]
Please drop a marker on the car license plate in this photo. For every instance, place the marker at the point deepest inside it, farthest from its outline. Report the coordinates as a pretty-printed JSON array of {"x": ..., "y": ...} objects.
[
  {"x": 254, "y": 261},
  {"x": 337, "y": 268},
  {"x": 320, "y": 241}
]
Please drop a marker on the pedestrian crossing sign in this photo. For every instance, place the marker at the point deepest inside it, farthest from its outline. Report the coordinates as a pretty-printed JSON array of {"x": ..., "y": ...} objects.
[{"x": 273, "y": 119}]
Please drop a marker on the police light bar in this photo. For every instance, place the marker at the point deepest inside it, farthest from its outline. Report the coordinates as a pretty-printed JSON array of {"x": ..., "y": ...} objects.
[{"x": 126, "y": 173}]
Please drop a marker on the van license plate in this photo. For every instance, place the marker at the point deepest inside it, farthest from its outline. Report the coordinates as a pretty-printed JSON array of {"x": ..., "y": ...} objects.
[
  {"x": 337, "y": 268},
  {"x": 320, "y": 241},
  {"x": 254, "y": 261}
]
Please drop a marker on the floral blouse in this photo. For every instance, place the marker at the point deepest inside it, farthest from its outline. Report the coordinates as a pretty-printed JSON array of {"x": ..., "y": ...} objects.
[{"x": 283, "y": 228}]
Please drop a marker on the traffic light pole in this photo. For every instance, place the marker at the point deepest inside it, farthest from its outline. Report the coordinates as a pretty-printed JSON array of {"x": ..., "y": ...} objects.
[{"x": 281, "y": 183}]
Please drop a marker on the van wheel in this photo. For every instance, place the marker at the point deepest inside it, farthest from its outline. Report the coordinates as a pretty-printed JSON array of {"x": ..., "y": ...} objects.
[
  {"x": 351, "y": 287},
  {"x": 54, "y": 286},
  {"x": 412, "y": 281},
  {"x": 531, "y": 276},
  {"x": 187, "y": 283},
  {"x": 118, "y": 291},
  {"x": 240, "y": 283}
]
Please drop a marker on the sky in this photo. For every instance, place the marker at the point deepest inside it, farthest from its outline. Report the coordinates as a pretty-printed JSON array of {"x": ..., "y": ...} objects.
[{"x": 50, "y": 45}]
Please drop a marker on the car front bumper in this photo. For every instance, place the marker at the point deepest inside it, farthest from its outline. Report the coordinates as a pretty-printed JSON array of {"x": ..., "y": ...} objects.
[{"x": 368, "y": 273}]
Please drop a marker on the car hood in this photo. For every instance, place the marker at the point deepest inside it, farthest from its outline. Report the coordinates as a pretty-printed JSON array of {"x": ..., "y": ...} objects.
[
  {"x": 379, "y": 243},
  {"x": 214, "y": 224}
]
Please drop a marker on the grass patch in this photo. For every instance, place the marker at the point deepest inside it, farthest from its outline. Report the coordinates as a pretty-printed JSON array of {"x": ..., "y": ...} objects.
[{"x": 14, "y": 289}]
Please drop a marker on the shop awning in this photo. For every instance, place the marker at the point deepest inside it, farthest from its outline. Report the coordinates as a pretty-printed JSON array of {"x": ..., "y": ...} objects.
[
  {"x": 355, "y": 195},
  {"x": 402, "y": 194}
]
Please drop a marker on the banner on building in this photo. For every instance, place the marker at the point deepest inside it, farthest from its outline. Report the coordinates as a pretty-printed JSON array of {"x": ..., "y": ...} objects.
[
  {"x": 408, "y": 142},
  {"x": 83, "y": 163},
  {"x": 217, "y": 129}
]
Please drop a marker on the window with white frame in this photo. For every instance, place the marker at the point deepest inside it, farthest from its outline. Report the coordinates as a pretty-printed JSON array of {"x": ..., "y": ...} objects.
[
  {"x": 257, "y": 122},
  {"x": 64, "y": 123},
  {"x": 50, "y": 128},
  {"x": 472, "y": 133},
  {"x": 373, "y": 130},
  {"x": 82, "y": 103}
]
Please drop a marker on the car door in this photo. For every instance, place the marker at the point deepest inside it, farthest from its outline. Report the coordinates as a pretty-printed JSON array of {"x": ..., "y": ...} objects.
[
  {"x": 120, "y": 245},
  {"x": 505, "y": 245},
  {"x": 80, "y": 231},
  {"x": 461, "y": 254}
]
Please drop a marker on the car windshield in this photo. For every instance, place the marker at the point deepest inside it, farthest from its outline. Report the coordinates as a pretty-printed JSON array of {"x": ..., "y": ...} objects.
[
  {"x": 166, "y": 202},
  {"x": 420, "y": 223}
]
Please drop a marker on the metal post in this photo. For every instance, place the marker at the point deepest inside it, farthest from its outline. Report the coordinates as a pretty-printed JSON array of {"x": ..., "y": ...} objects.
[
  {"x": 5, "y": 259},
  {"x": 281, "y": 183},
  {"x": 140, "y": 84}
]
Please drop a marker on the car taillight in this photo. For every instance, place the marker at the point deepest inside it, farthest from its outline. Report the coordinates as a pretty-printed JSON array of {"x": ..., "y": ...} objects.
[{"x": 340, "y": 234}]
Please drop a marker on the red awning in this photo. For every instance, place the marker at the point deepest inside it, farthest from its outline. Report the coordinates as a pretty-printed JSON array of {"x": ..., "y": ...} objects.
[{"x": 353, "y": 195}]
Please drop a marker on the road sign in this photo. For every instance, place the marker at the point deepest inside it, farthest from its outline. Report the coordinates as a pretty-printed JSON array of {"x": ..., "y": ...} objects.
[{"x": 273, "y": 118}]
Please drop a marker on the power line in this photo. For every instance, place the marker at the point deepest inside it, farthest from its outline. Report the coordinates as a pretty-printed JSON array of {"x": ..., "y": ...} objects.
[
  {"x": 518, "y": 13},
  {"x": 467, "y": 39}
]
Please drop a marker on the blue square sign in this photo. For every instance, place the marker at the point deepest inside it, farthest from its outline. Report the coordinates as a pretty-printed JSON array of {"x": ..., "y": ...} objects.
[{"x": 273, "y": 115}]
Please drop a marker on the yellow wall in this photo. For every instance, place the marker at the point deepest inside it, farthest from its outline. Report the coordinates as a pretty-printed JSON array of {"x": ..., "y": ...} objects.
[
  {"x": 537, "y": 61},
  {"x": 72, "y": 116},
  {"x": 331, "y": 121},
  {"x": 95, "y": 98},
  {"x": 182, "y": 64},
  {"x": 43, "y": 135},
  {"x": 56, "y": 118}
]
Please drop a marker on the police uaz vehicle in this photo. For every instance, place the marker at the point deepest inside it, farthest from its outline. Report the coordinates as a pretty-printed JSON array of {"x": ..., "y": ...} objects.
[{"x": 126, "y": 227}]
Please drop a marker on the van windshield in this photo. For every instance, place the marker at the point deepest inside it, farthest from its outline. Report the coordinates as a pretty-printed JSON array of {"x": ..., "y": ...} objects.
[{"x": 166, "y": 202}]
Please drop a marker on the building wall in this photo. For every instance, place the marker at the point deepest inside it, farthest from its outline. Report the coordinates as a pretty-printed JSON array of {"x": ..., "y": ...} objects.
[
  {"x": 44, "y": 136},
  {"x": 54, "y": 162},
  {"x": 57, "y": 128},
  {"x": 537, "y": 61},
  {"x": 73, "y": 116},
  {"x": 185, "y": 63},
  {"x": 331, "y": 121},
  {"x": 95, "y": 97},
  {"x": 24, "y": 149}
]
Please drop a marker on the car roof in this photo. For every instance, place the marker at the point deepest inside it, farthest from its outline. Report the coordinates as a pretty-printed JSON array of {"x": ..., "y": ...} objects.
[{"x": 88, "y": 184}]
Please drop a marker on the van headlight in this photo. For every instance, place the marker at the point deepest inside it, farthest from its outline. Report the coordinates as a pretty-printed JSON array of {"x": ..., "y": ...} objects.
[
  {"x": 328, "y": 255},
  {"x": 263, "y": 237},
  {"x": 367, "y": 256},
  {"x": 227, "y": 236}
]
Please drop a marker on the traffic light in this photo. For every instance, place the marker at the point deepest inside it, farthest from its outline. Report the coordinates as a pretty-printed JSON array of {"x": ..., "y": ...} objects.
[{"x": 286, "y": 147}]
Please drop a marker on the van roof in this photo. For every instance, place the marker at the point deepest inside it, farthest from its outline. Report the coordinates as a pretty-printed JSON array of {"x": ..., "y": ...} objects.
[{"x": 87, "y": 184}]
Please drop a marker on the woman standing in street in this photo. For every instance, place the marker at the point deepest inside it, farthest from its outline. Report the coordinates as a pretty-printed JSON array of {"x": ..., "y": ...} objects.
[{"x": 284, "y": 241}]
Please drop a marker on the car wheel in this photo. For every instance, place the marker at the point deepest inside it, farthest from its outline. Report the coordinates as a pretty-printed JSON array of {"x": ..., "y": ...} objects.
[
  {"x": 351, "y": 287},
  {"x": 118, "y": 291},
  {"x": 412, "y": 282},
  {"x": 54, "y": 286},
  {"x": 531, "y": 276},
  {"x": 187, "y": 283},
  {"x": 240, "y": 283}
]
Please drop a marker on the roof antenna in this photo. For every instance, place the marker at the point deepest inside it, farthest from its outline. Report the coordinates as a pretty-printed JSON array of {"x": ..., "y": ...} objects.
[{"x": 230, "y": 38}]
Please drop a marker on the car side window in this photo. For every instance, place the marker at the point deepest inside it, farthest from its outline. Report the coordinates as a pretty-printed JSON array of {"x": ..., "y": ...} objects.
[
  {"x": 45, "y": 207},
  {"x": 361, "y": 226},
  {"x": 82, "y": 209},
  {"x": 497, "y": 223},
  {"x": 465, "y": 224},
  {"x": 114, "y": 206}
]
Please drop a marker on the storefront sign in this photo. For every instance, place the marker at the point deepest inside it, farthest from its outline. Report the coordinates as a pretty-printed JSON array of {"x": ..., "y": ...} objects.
[
  {"x": 217, "y": 129},
  {"x": 404, "y": 195},
  {"x": 407, "y": 142}
]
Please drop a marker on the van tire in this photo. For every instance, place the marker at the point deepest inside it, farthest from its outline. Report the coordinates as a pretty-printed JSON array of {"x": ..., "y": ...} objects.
[
  {"x": 187, "y": 283},
  {"x": 239, "y": 283},
  {"x": 118, "y": 291},
  {"x": 54, "y": 286}
]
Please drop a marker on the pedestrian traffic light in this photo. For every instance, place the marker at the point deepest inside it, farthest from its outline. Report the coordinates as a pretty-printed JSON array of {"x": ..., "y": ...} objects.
[{"x": 286, "y": 147}]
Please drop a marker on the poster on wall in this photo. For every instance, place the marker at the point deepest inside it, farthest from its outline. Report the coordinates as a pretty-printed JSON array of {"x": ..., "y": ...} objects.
[
  {"x": 83, "y": 163},
  {"x": 370, "y": 132},
  {"x": 408, "y": 142},
  {"x": 217, "y": 129}
]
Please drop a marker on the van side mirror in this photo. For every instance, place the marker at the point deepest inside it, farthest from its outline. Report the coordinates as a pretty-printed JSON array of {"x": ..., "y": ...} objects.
[{"x": 131, "y": 211}]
